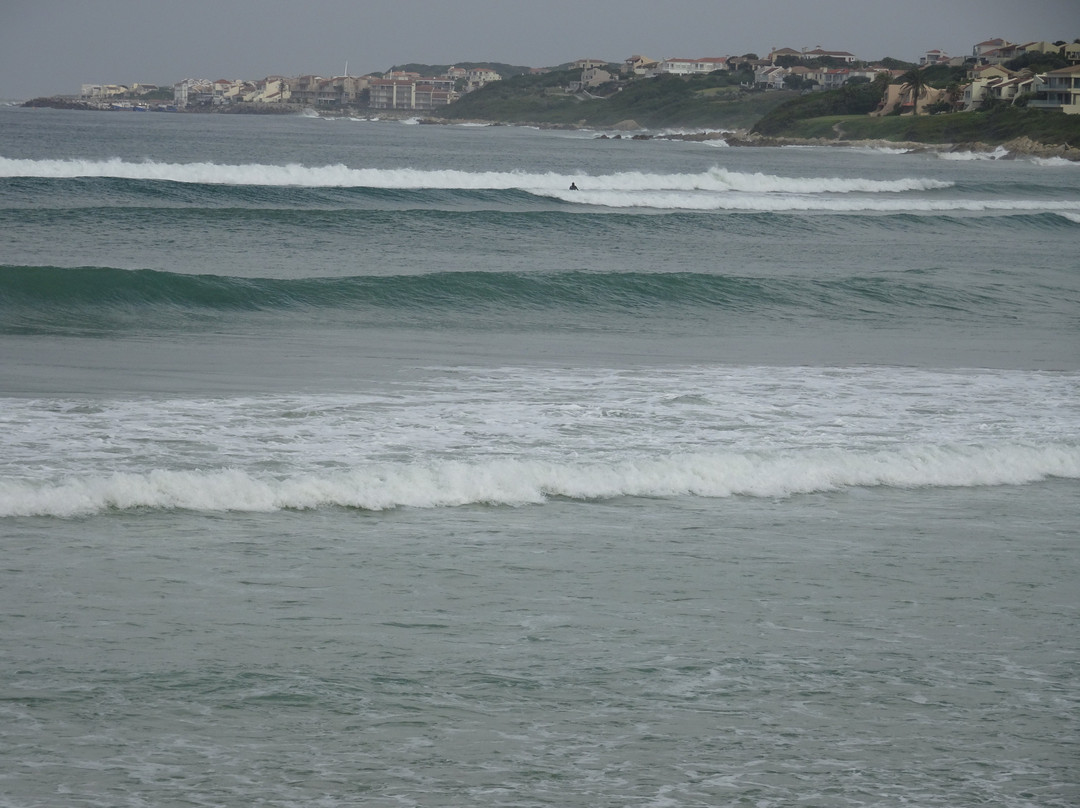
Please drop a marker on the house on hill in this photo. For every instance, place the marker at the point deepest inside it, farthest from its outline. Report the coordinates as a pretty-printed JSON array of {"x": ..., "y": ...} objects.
[
  {"x": 809, "y": 55},
  {"x": 638, "y": 65},
  {"x": 934, "y": 57},
  {"x": 981, "y": 79},
  {"x": 779, "y": 52},
  {"x": 479, "y": 76},
  {"x": 993, "y": 51},
  {"x": 692, "y": 67},
  {"x": 818, "y": 53},
  {"x": 770, "y": 77},
  {"x": 1058, "y": 89},
  {"x": 900, "y": 96}
]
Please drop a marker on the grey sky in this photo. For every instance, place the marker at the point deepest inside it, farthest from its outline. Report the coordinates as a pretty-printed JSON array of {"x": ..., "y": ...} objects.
[{"x": 53, "y": 46}]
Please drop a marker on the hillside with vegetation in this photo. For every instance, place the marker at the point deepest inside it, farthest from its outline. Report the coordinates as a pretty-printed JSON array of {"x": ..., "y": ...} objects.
[
  {"x": 850, "y": 100},
  {"x": 994, "y": 126},
  {"x": 845, "y": 113},
  {"x": 715, "y": 100},
  {"x": 721, "y": 100}
]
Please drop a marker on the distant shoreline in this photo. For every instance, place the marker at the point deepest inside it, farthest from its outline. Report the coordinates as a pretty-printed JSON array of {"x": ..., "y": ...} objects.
[{"x": 1017, "y": 147}]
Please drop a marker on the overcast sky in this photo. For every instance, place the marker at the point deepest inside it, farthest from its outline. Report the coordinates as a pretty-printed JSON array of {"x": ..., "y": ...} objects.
[{"x": 52, "y": 47}]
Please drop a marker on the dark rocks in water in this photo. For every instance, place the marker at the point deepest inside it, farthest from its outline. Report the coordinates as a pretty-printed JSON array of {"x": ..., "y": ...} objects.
[{"x": 59, "y": 102}]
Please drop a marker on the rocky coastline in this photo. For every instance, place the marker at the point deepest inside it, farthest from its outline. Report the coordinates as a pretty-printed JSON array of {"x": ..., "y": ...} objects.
[
  {"x": 629, "y": 130},
  {"x": 1017, "y": 147}
]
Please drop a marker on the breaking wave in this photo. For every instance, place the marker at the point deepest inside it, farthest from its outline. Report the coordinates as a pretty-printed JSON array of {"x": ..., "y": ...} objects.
[
  {"x": 336, "y": 176},
  {"x": 516, "y": 482},
  {"x": 717, "y": 189}
]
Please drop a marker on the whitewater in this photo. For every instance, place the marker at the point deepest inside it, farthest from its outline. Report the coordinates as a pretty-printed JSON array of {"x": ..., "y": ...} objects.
[
  {"x": 517, "y": 483},
  {"x": 716, "y": 189},
  {"x": 491, "y": 437}
]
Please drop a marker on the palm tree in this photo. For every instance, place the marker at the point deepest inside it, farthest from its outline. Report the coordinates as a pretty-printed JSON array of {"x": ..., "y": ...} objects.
[{"x": 915, "y": 81}]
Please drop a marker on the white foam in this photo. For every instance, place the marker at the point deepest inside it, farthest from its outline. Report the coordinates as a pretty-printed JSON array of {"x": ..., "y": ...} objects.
[
  {"x": 717, "y": 189},
  {"x": 716, "y": 179},
  {"x": 781, "y": 203},
  {"x": 1055, "y": 162},
  {"x": 516, "y": 482},
  {"x": 510, "y": 436},
  {"x": 879, "y": 150},
  {"x": 997, "y": 154}
]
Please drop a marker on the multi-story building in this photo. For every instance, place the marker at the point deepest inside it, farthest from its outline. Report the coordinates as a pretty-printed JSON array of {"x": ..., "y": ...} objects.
[
  {"x": 690, "y": 67},
  {"x": 479, "y": 76},
  {"x": 340, "y": 91},
  {"x": 638, "y": 65},
  {"x": 1058, "y": 89},
  {"x": 993, "y": 51},
  {"x": 807, "y": 55},
  {"x": 411, "y": 92},
  {"x": 305, "y": 89},
  {"x": 818, "y": 53},
  {"x": 104, "y": 90},
  {"x": 983, "y": 77}
]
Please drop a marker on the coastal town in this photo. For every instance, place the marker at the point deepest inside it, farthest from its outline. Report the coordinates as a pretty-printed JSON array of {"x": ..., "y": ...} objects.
[{"x": 996, "y": 70}]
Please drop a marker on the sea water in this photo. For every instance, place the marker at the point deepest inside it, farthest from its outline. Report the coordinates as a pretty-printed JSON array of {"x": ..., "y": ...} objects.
[{"x": 349, "y": 462}]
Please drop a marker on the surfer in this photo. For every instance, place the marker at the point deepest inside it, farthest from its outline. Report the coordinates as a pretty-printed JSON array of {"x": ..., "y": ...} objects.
[{"x": 573, "y": 186}]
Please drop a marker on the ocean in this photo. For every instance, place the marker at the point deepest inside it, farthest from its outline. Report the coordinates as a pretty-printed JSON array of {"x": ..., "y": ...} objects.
[{"x": 350, "y": 462}]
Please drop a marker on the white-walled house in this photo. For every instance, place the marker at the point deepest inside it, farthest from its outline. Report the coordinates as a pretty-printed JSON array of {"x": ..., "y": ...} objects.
[
  {"x": 691, "y": 67},
  {"x": 982, "y": 78},
  {"x": 771, "y": 77},
  {"x": 479, "y": 76}
]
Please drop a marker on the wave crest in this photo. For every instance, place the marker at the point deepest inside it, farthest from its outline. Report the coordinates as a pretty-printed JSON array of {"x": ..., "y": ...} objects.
[
  {"x": 517, "y": 482},
  {"x": 715, "y": 179},
  {"x": 43, "y": 297}
]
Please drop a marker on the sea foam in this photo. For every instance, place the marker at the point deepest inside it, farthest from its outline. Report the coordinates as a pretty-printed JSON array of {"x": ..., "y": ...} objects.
[
  {"x": 716, "y": 189},
  {"x": 716, "y": 179},
  {"x": 517, "y": 482}
]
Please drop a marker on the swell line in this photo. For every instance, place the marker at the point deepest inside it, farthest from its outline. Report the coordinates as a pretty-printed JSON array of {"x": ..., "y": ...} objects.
[{"x": 99, "y": 289}]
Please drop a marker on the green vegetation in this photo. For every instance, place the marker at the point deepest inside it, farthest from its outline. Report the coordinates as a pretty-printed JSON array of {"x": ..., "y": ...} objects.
[
  {"x": 890, "y": 63},
  {"x": 940, "y": 76},
  {"x": 1037, "y": 62},
  {"x": 521, "y": 98},
  {"x": 857, "y": 99},
  {"x": 992, "y": 127},
  {"x": 718, "y": 100},
  {"x": 915, "y": 82},
  {"x": 712, "y": 100}
]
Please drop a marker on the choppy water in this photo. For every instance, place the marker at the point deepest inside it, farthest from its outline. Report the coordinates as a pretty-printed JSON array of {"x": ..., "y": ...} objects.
[{"x": 349, "y": 462}]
